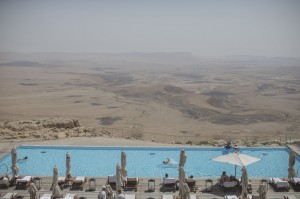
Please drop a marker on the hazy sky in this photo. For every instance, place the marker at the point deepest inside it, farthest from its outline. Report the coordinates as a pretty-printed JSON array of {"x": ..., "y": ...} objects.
[{"x": 206, "y": 28}]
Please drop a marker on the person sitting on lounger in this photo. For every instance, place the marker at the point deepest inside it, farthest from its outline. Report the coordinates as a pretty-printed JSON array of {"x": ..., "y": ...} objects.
[
  {"x": 102, "y": 193},
  {"x": 224, "y": 178}
]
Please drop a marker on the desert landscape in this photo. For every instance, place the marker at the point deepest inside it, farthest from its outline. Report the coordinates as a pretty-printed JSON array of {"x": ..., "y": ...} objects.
[{"x": 156, "y": 93}]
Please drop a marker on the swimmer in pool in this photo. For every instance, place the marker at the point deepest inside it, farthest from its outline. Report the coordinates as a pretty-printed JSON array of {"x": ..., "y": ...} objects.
[{"x": 167, "y": 161}]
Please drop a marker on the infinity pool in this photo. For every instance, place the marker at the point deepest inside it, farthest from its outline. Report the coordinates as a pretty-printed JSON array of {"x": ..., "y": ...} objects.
[{"x": 144, "y": 161}]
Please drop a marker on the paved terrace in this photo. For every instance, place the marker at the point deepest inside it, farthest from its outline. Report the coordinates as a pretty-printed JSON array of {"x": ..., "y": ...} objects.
[{"x": 142, "y": 191}]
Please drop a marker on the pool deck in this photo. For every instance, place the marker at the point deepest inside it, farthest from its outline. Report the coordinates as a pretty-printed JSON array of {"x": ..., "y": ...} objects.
[{"x": 142, "y": 191}]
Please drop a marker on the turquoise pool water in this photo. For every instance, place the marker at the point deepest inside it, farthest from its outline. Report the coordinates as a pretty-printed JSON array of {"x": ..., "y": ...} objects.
[{"x": 145, "y": 161}]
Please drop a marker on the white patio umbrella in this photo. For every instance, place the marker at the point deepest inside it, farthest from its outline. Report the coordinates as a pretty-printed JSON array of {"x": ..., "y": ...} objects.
[
  {"x": 244, "y": 182},
  {"x": 181, "y": 179},
  {"x": 292, "y": 160},
  {"x": 14, "y": 167},
  {"x": 32, "y": 191},
  {"x": 119, "y": 178},
  {"x": 186, "y": 191},
  {"x": 262, "y": 191},
  {"x": 237, "y": 159},
  {"x": 182, "y": 158},
  {"x": 123, "y": 165},
  {"x": 68, "y": 166}
]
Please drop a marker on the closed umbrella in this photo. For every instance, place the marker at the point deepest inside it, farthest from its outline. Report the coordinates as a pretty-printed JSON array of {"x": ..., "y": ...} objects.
[
  {"x": 119, "y": 178},
  {"x": 292, "y": 160},
  {"x": 32, "y": 191},
  {"x": 244, "y": 182},
  {"x": 236, "y": 159},
  {"x": 14, "y": 167},
  {"x": 186, "y": 191},
  {"x": 68, "y": 166},
  {"x": 123, "y": 165},
  {"x": 56, "y": 191},
  {"x": 182, "y": 158},
  {"x": 262, "y": 191},
  {"x": 181, "y": 179},
  {"x": 109, "y": 192}
]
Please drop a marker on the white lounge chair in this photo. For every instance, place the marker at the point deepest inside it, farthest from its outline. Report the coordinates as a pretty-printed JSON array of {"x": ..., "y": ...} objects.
[
  {"x": 130, "y": 196},
  {"x": 167, "y": 197},
  {"x": 230, "y": 197},
  {"x": 4, "y": 181},
  {"x": 9, "y": 196},
  {"x": 24, "y": 182},
  {"x": 46, "y": 196},
  {"x": 71, "y": 196},
  {"x": 229, "y": 185},
  {"x": 279, "y": 184},
  {"x": 295, "y": 182},
  {"x": 169, "y": 184},
  {"x": 79, "y": 182}
]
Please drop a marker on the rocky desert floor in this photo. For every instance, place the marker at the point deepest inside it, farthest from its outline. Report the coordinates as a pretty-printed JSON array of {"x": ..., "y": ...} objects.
[{"x": 160, "y": 93}]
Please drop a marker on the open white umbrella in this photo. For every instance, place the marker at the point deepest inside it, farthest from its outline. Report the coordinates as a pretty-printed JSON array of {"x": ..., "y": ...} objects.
[
  {"x": 237, "y": 159},
  {"x": 123, "y": 165},
  {"x": 244, "y": 182},
  {"x": 32, "y": 191},
  {"x": 68, "y": 166},
  {"x": 119, "y": 178},
  {"x": 181, "y": 179},
  {"x": 14, "y": 167},
  {"x": 292, "y": 160},
  {"x": 182, "y": 158}
]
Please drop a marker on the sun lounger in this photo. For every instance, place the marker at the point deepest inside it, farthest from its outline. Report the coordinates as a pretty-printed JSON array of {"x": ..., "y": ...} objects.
[
  {"x": 24, "y": 182},
  {"x": 71, "y": 196},
  {"x": 78, "y": 182},
  {"x": 4, "y": 181},
  {"x": 132, "y": 183},
  {"x": 167, "y": 197},
  {"x": 191, "y": 183},
  {"x": 130, "y": 196},
  {"x": 46, "y": 196},
  {"x": 229, "y": 185},
  {"x": 230, "y": 197},
  {"x": 112, "y": 181},
  {"x": 61, "y": 182},
  {"x": 9, "y": 196},
  {"x": 279, "y": 184},
  {"x": 169, "y": 184},
  {"x": 295, "y": 182}
]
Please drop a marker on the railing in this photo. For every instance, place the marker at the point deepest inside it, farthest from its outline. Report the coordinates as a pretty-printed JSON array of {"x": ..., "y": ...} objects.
[{"x": 199, "y": 139}]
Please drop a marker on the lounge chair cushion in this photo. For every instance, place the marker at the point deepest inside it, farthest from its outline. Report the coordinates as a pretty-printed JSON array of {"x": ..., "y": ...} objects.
[
  {"x": 230, "y": 197},
  {"x": 25, "y": 179},
  {"x": 80, "y": 179},
  {"x": 229, "y": 184},
  {"x": 70, "y": 196},
  {"x": 61, "y": 179},
  {"x": 112, "y": 179},
  {"x": 46, "y": 196},
  {"x": 167, "y": 196},
  {"x": 169, "y": 180},
  {"x": 279, "y": 183},
  {"x": 130, "y": 196},
  {"x": 9, "y": 195},
  {"x": 296, "y": 180}
]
